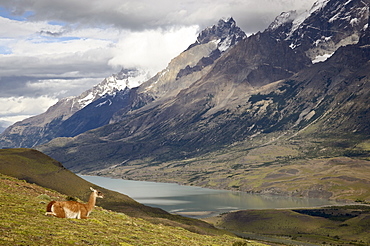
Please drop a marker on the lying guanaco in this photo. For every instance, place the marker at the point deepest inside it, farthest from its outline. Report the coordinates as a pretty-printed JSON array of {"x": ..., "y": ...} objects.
[{"x": 73, "y": 209}]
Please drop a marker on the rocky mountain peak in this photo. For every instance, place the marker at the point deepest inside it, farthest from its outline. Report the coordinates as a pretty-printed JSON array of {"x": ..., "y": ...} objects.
[
  {"x": 319, "y": 32},
  {"x": 226, "y": 33},
  {"x": 195, "y": 61}
]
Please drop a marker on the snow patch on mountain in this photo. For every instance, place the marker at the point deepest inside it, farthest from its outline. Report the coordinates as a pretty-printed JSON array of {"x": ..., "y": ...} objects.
[
  {"x": 322, "y": 58},
  {"x": 225, "y": 44},
  {"x": 103, "y": 103},
  {"x": 126, "y": 78}
]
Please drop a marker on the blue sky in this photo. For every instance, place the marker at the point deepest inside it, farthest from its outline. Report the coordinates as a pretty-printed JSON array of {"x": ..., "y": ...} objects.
[
  {"x": 7, "y": 13},
  {"x": 51, "y": 49}
]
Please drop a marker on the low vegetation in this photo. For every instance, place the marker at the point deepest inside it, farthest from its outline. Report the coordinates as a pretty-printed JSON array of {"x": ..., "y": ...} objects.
[
  {"x": 23, "y": 222},
  {"x": 342, "y": 225}
]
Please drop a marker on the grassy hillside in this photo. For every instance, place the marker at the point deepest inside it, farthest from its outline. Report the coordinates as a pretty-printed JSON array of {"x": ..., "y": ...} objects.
[
  {"x": 22, "y": 222},
  {"x": 346, "y": 225},
  {"x": 35, "y": 167}
]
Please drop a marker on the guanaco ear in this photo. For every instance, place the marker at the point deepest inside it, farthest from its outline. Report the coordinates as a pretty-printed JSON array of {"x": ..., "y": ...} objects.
[{"x": 92, "y": 189}]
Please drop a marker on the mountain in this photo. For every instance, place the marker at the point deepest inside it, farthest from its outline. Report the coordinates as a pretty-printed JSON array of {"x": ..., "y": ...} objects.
[
  {"x": 42, "y": 128},
  {"x": 96, "y": 107},
  {"x": 320, "y": 31}
]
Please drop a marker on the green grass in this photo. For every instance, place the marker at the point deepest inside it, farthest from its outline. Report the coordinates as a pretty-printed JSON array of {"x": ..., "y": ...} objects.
[
  {"x": 341, "y": 225},
  {"x": 22, "y": 222}
]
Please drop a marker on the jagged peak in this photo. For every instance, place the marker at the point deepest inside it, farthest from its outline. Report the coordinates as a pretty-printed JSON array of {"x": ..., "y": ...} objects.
[
  {"x": 226, "y": 21},
  {"x": 225, "y": 29}
]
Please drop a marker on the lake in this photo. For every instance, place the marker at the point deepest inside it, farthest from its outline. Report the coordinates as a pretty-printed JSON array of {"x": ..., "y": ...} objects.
[{"x": 197, "y": 202}]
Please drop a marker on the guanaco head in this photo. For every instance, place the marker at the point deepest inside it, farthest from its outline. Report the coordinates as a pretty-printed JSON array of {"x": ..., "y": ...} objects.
[{"x": 97, "y": 193}]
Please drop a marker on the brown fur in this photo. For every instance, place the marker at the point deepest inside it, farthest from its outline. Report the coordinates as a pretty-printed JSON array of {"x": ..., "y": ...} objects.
[
  {"x": 48, "y": 208},
  {"x": 73, "y": 209}
]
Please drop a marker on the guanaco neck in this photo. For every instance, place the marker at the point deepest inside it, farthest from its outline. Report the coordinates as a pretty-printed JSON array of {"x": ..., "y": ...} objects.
[{"x": 92, "y": 201}]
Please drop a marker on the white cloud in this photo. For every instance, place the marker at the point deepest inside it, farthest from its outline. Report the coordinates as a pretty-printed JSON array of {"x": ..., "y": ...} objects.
[
  {"x": 61, "y": 88},
  {"x": 15, "y": 108},
  {"x": 17, "y": 29},
  {"x": 152, "y": 50}
]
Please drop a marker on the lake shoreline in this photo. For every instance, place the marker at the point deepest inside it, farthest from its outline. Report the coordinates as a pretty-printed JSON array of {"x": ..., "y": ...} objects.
[{"x": 198, "y": 202}]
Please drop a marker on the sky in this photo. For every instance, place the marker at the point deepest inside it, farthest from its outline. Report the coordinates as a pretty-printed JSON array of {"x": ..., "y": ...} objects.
[{"x": 52, "y": 49}]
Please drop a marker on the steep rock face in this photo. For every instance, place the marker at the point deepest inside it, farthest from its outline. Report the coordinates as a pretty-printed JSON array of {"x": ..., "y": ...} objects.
[
  {"x": 188, "y": 67},
  {"x": 99, "y": 112},
  {"x": 259, "y": 60},
  {"x": 194, "y": 62},
  {"x": 328, "y": 25},
  {"x": 225, "y": 34}
]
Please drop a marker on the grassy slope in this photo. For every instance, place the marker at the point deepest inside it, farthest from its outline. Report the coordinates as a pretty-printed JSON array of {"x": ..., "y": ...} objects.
[
  {"x": 22, "y": 222},
  {"x": 348, "y": 225},
  {"x": 35, "y": 167}
]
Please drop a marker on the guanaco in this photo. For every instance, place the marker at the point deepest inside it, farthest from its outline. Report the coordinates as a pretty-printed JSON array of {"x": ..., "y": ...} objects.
[{"x": 73, "y": 209}]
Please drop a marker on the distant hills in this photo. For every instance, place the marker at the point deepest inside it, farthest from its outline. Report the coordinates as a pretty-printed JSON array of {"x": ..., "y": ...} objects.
[{"x": 283, "y": 111}]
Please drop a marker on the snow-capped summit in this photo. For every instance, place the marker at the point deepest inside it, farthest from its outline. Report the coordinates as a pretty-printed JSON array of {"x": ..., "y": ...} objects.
[
  {"x": 126, "y": 78},
  {"x": 320, "y": 31},
  {"x": 295, "y": 18}
]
